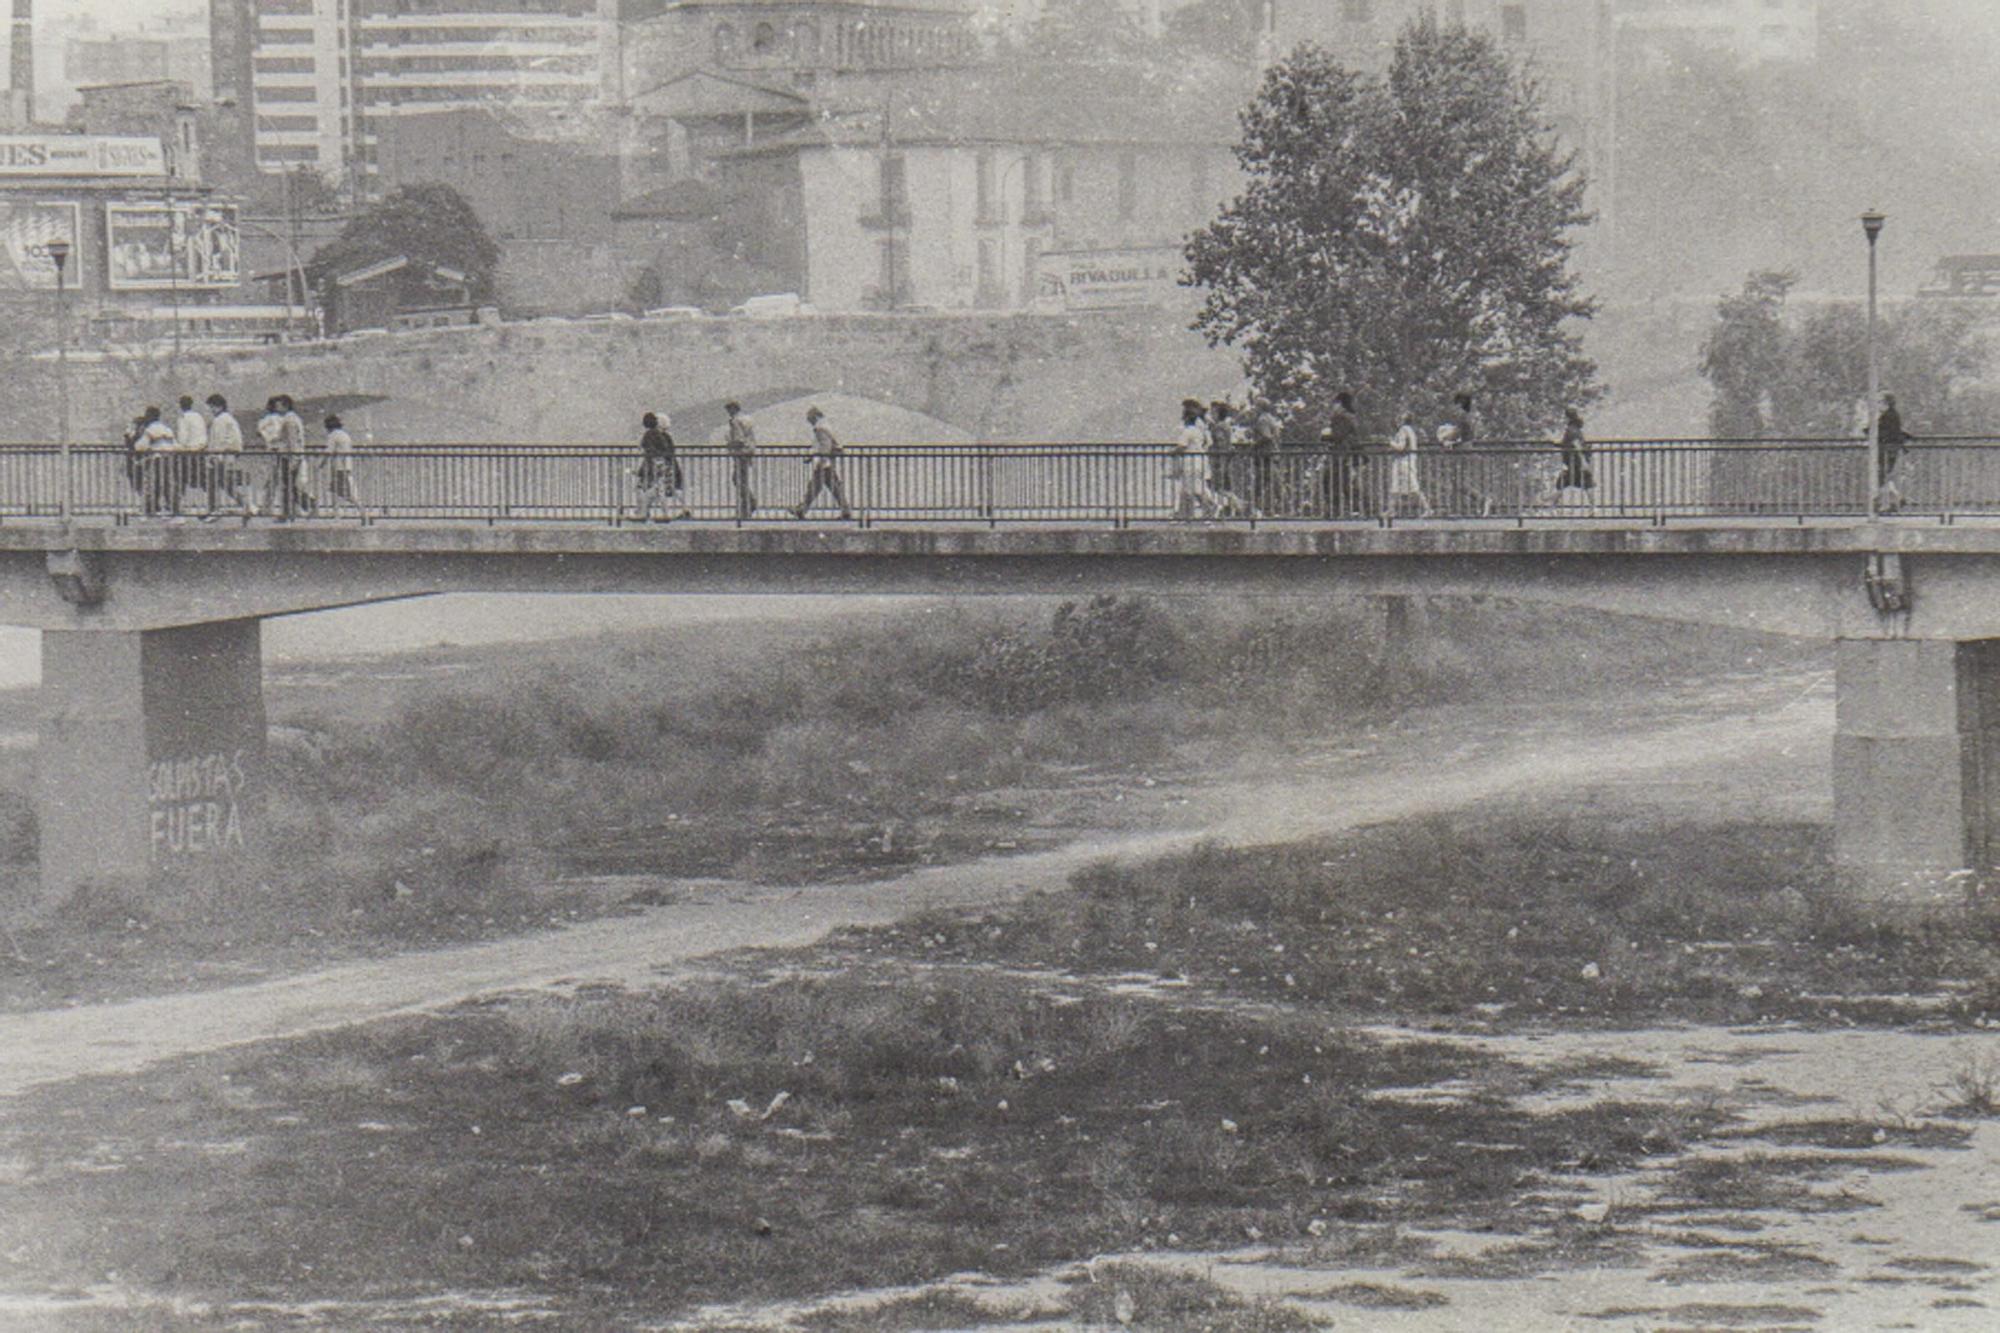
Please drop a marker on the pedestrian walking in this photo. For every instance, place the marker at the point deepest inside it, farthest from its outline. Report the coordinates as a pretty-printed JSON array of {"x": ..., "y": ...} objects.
[
  {"x": 1894, "y": 442},
  {"x": 1405, "y": 485},
  {"x": 151, "y": 450},
  {"x": 826, "y": 453},
  {"x": 1342, "y": 484},
  {"x": 1229, "y": 460},
  {"x": 1266, "y": 438},
  {"x": 292, "y": 446},
  {"x": 226, "y": 471},
  {"x": 659, "y": 468},
  {"x": 1576, "y": 474},
  {"x": 191, "y": 454},
  {"x": 742, "y": 444},
  {"x": 340, "y": 469},
  {"x": 1188, "y": 467}
]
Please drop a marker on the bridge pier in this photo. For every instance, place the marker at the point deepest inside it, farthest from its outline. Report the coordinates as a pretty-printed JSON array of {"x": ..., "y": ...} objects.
[
  {"x": 151, "y": 760},
  {"x": 1916, "y": 761}
]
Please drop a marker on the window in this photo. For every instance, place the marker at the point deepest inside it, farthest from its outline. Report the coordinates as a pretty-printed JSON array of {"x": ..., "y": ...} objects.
[
  {"x": 989, "y": 274},
  {"x": 895, "y": 186},
  {"x": 808, "y": 39},
  {"x": 284, "y": 64},
  {"x": 1031, "y": 186},
  {"x": 1128, "y": 185},
  {"x": 1357, "y": 11},
  {"x": 287, "y": 152},
  {"x": 1514, "y": 22},
  {"x": 725, "y": 41},
  {"x": 1031, "y": 268},
  {"x": 288, "y": 124},
  {"x": 763, "y": 39},
  {"x": 263, "y": 95},
  {"x": 984, "y": 204},
  {"x": 892, "y": 281}
]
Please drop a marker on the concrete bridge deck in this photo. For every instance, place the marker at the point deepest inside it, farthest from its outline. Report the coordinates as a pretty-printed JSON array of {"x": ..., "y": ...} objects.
[{"x": 152, "y": 746}]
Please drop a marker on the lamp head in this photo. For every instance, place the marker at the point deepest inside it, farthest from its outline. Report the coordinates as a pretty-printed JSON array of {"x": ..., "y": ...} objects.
[
  {"x": 58, "y": 252},
  {"x": 1871, "y": 224}
]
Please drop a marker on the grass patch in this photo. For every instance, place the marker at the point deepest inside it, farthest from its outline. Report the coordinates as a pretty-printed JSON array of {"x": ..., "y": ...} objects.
[
  {"x": 1165, "y": 1301},
  {"x": 1501, "y": 916},
  {"x": 1710, "y": 1314},
  {"x": 919, "y": 1313},
  {"x": 1375, "y": 1296},
  {"x": 778, "y": 1139}
]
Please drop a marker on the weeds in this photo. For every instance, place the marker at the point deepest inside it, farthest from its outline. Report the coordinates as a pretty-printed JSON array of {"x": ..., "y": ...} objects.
[{"x": 1973, "y": 1087}]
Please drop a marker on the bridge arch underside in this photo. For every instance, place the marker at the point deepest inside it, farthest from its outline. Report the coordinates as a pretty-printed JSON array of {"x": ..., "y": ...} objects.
[{"x": 144, "y": 777}]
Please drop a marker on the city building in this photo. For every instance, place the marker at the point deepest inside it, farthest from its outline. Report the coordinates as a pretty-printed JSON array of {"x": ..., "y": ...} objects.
[
  {"x": 418, "y": 57},
  {"x": 139, "y": 237},
  {"x": 174, "y": 52},
  {"x": 1754, "y": 32},
  {"x": 799, "y": 43},
  {"x": 995, "y": 189},
  {"x": 286, "y": 67},
  {"x": 324, "y": 77}
]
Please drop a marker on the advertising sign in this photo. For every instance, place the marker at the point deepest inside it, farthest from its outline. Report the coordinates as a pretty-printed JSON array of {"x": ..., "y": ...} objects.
[
  {"x": 191, "y": 245},
  {"x": 80, "y": 155},
  {"x": 1108, "y": 279},
  {"x": 26, "y": 228}
]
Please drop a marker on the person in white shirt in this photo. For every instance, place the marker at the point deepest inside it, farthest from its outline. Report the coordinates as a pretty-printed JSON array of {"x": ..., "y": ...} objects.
[
  {"x": 191, "y": 442},
  {"x": 156, "y": 444},
  {"x": 340, "y": 469},
  {"x": 825, "y": 460},
  {"x": 225, "y": 472},
  {"x": 1189, "y": 466},
  {"x": 1404, "y": 483}
]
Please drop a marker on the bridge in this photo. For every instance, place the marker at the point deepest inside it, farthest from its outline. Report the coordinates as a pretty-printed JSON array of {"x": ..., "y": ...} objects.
[{"x": 152, "y": 760}]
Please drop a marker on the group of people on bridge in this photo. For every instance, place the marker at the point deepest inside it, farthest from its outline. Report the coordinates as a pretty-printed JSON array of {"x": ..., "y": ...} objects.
[
  {"x": 202, "y": 452},
  {"x": 1231, "y": 463}
]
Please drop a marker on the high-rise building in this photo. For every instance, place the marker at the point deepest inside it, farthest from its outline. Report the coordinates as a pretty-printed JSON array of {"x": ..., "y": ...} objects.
[
  {"x": 322, "y": 76},
  {"x": 420, "y": 56},
  {"x": 286, "y": 66}
]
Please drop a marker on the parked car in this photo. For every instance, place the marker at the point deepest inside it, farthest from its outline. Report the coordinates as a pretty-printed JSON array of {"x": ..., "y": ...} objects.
[{"x": 778, "y": 305}]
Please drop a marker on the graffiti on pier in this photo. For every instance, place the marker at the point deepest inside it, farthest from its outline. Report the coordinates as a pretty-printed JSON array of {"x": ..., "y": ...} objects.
[{"x": 197, "y": 804}]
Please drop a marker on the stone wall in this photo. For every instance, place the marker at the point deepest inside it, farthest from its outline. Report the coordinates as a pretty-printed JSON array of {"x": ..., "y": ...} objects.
[
  {"x": 1099, "y": 377},
  {"x": 1094, "y": 378}
]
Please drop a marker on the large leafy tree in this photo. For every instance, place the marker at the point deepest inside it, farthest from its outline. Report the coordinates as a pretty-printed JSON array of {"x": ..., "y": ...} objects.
[
  {"x": 1405, "y": 236},
  {"x": 431, "y": 223},
  {"x": 1779, "y": 373}
]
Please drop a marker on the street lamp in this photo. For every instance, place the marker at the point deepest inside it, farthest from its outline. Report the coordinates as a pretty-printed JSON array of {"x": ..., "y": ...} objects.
[
  {"x": 1871, "y": 226},
  {"x": 58, "y": 252}
]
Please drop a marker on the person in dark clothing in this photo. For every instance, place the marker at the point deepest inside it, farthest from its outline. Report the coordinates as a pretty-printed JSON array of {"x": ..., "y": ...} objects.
[
  {"x": 1341, "y": 489},
  {"x": 1266, "y": 436},
  {"x": 1895, "y": 440},
  {"x": 659, "y": 469},
  {"x": 1576, "y": 473}
]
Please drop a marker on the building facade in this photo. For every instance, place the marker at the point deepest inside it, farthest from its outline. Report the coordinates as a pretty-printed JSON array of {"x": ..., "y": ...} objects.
[
  {"x": 139, "y": 237},
  {"x": 799, "y": 43},
  {"x": 988, "y": 191}
]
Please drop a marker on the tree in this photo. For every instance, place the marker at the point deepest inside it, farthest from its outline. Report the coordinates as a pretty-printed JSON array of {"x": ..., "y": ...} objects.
[
  {"x": 1776, "y": 376},
  {"x": 1406, "y": 236},
  {"x": 431, "y": 224}
]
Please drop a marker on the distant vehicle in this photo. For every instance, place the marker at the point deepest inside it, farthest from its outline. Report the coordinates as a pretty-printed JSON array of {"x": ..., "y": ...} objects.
[
  {"x": 223, "y": 325},
  {"x": 675, "y": 312},
  {"x": 433, "y": 317},
  {"x": 1964, "y": 276},
  {"x": 779, "y": 305}
]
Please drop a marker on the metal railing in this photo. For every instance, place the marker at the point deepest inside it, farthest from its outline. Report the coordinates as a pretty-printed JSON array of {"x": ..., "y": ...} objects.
[{"x": 1628, "y": 480}]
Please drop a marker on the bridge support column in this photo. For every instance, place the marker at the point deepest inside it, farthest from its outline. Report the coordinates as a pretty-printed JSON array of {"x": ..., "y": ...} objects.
[
  {"x": 151, "y": 757},
  {"x": 1916, "y": 761}
]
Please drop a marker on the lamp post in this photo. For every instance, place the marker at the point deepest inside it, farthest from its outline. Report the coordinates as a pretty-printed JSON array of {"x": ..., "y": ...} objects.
[
  {"x": 58, "y": 252},
  {"x": 1871, "y": 226}
]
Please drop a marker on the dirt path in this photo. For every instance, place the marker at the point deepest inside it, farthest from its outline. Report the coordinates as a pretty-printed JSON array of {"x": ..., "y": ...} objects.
[{"x": 1766, "y": 749}]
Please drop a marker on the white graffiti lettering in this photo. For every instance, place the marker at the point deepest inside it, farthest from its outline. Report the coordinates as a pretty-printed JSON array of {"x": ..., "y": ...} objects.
[{"x": 197, "y": 804}]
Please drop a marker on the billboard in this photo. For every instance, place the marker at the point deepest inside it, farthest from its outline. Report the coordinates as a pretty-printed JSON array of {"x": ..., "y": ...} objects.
[
  {"x": 1108, "y": 279},
  {"x": 190, "y": 245},
  {"x": 81, "y": 155},
  {"x": 26, "y": 228}
]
